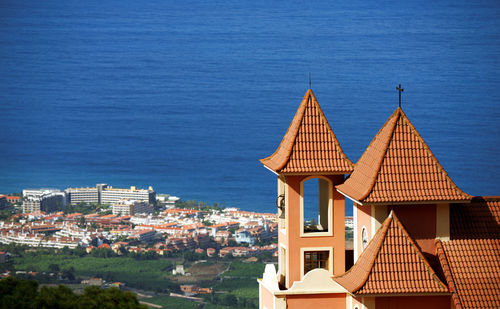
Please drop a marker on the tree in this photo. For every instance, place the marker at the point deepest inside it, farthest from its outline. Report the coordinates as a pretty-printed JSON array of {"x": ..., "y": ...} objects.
[
  {"x": 95, "y": 241},
  {"x": 17, "y": 293},
  {"x": 54, "y": 268},
  {"x": 230, "y": 300},
  {"x": 69, "y": 274},
  {"x": 66, "y": 251},
  {"x": 82, "y": 221},
  {"x": 79, "y": 251},
  {"x": 95, "y": 297},
  {"x": 21, "y": 293},
  {"x": 55, "y": 297}
]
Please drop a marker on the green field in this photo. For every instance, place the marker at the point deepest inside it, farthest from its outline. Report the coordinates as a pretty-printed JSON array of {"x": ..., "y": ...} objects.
[
  {"x": 241, "y": 281},
  {"x": 245, "y": 270},
  {"x": 238, "y": 282},
  {"x": 241, "y": 288},
  {"x": 142, "y": 274},
  {"x": 172, "y": 302}
]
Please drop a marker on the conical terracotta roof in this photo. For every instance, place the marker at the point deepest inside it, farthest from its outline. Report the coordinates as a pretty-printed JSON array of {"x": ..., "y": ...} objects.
[
  {"x": 309, "y": 145},
  {"x": 391, "y": 264},
  {"x": 399, "y": 167}
]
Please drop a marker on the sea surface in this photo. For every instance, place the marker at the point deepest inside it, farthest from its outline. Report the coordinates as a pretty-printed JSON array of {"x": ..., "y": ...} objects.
[{"x": 186, "y": 96}]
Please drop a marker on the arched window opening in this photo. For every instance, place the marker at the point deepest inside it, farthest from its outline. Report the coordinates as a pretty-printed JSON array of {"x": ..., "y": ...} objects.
[
  {"x": 316, "y": 202},
  {"x": 364, "y": 238},
  {"x": 281, "y": 202}
]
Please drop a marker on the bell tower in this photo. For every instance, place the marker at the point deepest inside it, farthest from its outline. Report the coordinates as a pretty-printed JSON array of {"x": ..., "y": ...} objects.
[{"x": 309, "y": 163}]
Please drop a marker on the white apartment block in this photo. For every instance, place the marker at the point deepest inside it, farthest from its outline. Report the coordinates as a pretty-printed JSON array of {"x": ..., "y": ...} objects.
[
  {"x": 38, "y": 240},
  {"x": 104, "y": 194},
  {"x": 35, "y": 200},
  {"x": 112, "y": 195},
  {"x": 82, "y": 195}
]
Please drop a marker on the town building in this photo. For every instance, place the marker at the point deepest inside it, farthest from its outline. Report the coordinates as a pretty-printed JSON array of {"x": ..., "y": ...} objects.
[
  {"x": 244, "y": 236},
  {"x": 178, "y": 270},
  {"x": 8, "y": 200},
  {"x": 130, "y": 208},
  {"x": 419, "y": 240},
  {"x": 48, "y": 200},
  {"x": 349, "y": 222},
  {"x": 104, "y": 194},
  {"x": 4, "y": 257},
  {"x": 144, "y": 235}
]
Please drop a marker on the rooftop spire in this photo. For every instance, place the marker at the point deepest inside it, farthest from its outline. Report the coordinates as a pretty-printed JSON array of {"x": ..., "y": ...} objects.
[
  {"x": 399, "y": 167},
  {"x": 309, "y": 145},
  {"x": 399, "y": 89}
]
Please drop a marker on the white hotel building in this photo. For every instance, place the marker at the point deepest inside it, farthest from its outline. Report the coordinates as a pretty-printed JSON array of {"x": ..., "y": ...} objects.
[
  {"x": 49, "y": 200},
  {"x": 104, "y": 194}
]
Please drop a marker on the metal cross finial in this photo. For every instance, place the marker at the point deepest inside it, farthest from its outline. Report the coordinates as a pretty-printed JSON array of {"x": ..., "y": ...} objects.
[
  {"x": 309, "y": 80},
  {"x": 400, "y": 90}
]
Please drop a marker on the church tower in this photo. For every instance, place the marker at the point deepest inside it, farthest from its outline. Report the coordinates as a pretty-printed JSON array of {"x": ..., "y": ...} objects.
[
  {"x": 309, "y": 163},
  {"x": 399, "y": 172}
]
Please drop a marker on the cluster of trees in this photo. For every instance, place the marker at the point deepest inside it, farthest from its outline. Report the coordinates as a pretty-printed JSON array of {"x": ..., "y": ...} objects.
[
  {"x": 198, "y": 205},
  {"x": 232, "y": 301},
  {"x": 20, "y": 293},
  {"x": 191, "y": 256},
  {"x": 84, "y": 208},
  {"x": 67, "y": 273},
  {"x": 5, "y": 214}
]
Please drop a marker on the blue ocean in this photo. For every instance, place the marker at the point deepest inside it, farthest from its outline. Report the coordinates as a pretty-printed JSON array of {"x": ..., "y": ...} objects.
[{"x": 186, "y": 96}]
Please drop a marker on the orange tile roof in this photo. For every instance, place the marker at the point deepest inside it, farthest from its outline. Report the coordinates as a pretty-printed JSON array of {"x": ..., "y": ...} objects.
[
  {"x": 309, "y": 145},
  {"x": 391, "y": 264},
  {"x": 399, "y": 167},
  {"x": 471, "y": 259},
  {"x": 76, "y": 214},
  {"x": 109, "y": 216},
  {"x": 479, "y": 219},
  {"x": 472, "y": 268}
]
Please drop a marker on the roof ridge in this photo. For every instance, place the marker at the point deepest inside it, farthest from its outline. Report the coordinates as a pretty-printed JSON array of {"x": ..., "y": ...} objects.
[
  {"x": 433, "y": 157},
  {"x": 301, "y": 119},
  {"x": 382, "y": 154},
  {"x": 443, "y": 259},
  {"x": 375, "y": 256},
  {"x": 300, "y": 111},
  {"x": 414, "y": 245},
  {"x": 372, "y": 255},
  {"x": 323, "y": 117},
  {"x": 384, "y": 227},
  {"x": 398, "y": 166}
]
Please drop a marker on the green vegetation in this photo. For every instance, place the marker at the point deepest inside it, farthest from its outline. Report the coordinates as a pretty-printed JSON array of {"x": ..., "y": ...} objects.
[
  {"x": 5, "y": 214},
  {"x": 173, "y": 302},
  {"x": 20, "y": 293},
  {"x": 198, "y": 205},
  {"x": 217, "y": 306},
  {"x": 237, "y": 289},
  {"x": 241, "y": 288},
  {"x": 246, "y": 270},
  {"x": 143, "y": 274},
  {"x": 84, "y": 208}
]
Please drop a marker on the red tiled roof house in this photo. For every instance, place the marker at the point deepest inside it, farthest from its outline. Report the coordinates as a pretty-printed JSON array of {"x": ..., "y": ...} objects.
[{"x": 419, "y": 241}]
